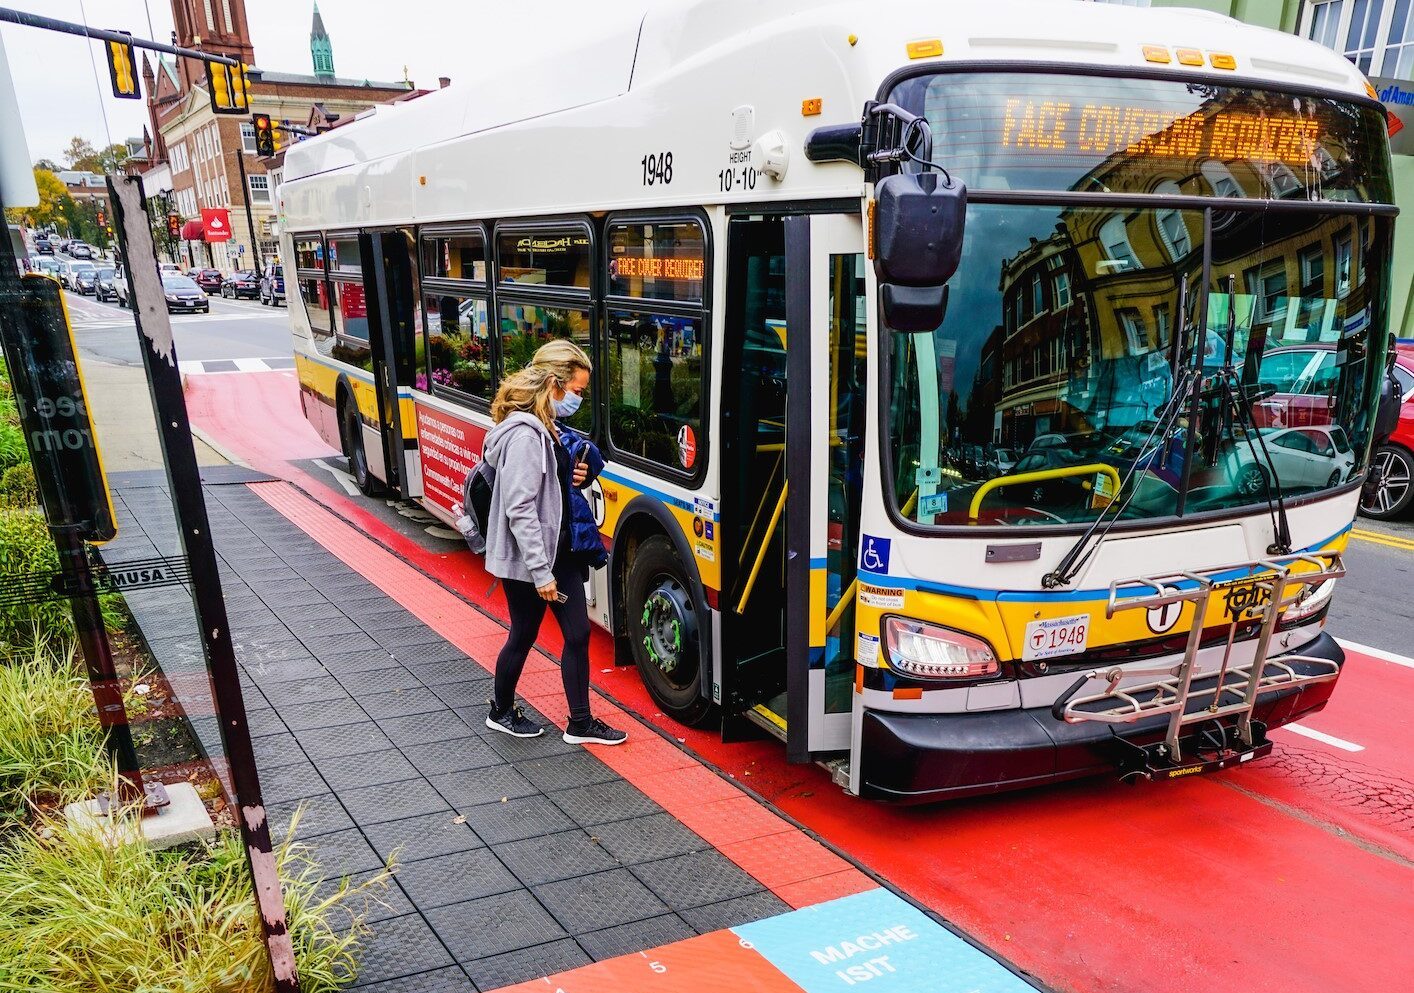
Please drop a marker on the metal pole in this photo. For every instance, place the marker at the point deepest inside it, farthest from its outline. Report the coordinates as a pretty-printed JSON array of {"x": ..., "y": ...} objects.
[
  {"x": 159, "y": 357},
  {"x": 249, "y": 214},
  {"x": 99, "y": 34}
]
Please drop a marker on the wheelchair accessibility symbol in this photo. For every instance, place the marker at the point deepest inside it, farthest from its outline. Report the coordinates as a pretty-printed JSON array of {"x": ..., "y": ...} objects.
[{"x": 874, "y": 554}]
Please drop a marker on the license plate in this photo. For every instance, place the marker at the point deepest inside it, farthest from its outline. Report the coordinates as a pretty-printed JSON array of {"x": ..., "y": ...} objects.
[{"x": 1055, "y": 637}]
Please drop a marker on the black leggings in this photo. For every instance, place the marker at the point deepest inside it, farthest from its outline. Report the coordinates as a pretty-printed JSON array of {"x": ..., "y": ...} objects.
[{"x": 527, "y": 611}]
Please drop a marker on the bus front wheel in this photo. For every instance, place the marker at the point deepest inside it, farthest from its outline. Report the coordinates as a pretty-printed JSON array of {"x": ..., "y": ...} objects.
[
  {"x": 352, "y": 431},
  {"x": 663, "y": 631}
]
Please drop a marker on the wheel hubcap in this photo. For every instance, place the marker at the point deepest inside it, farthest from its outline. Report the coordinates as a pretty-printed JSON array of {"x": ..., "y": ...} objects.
[
  {"x": 1394, "y": 481},
  {"x": 669, "y": 626}
]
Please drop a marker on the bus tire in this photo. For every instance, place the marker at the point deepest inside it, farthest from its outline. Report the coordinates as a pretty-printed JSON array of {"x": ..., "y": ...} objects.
[
  {"x": 351, "y": 428},
  {"x": 1391, "y": 498},
  {"x": 663, "y": 631}
]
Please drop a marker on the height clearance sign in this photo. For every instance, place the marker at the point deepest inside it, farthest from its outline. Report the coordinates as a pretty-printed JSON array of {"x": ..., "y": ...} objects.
[{"x": 216, "y": 224}]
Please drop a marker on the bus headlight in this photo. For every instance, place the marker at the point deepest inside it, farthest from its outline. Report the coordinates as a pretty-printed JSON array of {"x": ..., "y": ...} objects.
[
  {"x": 932, "y": 652},
  {"x": 1310, "y": 602}
]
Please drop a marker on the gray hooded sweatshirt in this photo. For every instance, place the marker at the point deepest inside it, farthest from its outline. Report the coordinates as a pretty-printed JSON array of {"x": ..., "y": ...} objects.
[{"x": 523, "y": 524}]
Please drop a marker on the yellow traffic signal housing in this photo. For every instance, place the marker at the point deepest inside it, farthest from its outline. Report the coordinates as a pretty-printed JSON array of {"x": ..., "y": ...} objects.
[
  {"x": 264, "y": 134},
  {"x": 229, "y": 87},
  {"x": 121, "y": 71}
]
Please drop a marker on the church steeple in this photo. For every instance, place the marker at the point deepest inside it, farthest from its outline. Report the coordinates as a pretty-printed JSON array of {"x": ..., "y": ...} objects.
[{"x": 320, "y": 47}]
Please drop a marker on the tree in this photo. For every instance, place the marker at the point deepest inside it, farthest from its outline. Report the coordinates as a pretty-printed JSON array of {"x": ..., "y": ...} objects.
[
  {"x": 48, "y": 164},
  {"x": 79, "y": 151},
  {"x": 54, "y": 203}
]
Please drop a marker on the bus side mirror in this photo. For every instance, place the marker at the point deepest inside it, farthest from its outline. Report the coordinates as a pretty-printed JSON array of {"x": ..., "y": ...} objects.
[{"x": 918, "y": 227}]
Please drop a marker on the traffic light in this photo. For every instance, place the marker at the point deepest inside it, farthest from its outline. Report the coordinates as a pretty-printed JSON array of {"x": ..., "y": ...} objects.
[
  {"x": 264, "y": 134},
  {"x": 174, "y": 225},
  {"x": 229, "y": 88},
  {"x": 102, "y": 221},
  {"x": 121, "y": 72}
]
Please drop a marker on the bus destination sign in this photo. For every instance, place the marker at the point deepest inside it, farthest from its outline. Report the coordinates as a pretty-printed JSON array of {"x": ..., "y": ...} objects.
[{"x": 1037, "y": 125}]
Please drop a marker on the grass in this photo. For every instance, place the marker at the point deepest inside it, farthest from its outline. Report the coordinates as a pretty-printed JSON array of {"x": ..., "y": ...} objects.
[
  {"x": 51, "y": 746},
  {"x": 84, "y": 915}
]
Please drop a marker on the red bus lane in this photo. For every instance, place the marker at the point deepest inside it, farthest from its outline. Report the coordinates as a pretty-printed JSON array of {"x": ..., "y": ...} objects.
[{"x": 1293, "y": 874}]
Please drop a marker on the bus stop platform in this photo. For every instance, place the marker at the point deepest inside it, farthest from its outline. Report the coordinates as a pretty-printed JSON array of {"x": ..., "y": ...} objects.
[{"x": 526, "y": 863}]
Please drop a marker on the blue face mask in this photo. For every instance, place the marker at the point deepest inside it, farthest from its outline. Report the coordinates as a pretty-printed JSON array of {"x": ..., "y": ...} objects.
[{"x": 568, "y": 404}]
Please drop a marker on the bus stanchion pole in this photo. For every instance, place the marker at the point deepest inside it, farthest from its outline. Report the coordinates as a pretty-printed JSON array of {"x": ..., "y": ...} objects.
[{"x": 159, "y": 358}]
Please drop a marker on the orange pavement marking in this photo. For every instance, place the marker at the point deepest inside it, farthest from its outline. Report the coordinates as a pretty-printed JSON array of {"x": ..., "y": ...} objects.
[
  {"x": 715, "y": 961},
  {"x": 702, "y": 800}
]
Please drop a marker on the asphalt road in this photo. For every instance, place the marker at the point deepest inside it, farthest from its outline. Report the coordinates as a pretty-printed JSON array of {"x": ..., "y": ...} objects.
[{"x": 1374, "y": 604}]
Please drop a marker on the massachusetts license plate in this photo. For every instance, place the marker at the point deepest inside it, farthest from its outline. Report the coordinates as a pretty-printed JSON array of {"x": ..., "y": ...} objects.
[{"x": 1055, "y": 637}]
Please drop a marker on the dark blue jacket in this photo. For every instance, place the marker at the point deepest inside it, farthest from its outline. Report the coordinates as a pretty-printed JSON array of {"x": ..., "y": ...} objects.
[{"x": 584, "y": 533}]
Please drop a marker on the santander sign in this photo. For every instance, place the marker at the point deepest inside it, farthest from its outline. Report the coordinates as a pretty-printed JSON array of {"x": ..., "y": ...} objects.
[{"x": 216, "y": 223}]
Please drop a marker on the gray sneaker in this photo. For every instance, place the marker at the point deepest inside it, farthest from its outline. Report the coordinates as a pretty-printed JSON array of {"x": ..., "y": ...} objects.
[{"x": 513, "y": 721}]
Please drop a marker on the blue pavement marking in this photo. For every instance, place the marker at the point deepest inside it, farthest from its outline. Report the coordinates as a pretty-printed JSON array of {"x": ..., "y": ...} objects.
[{"x": 875, "y": 938}]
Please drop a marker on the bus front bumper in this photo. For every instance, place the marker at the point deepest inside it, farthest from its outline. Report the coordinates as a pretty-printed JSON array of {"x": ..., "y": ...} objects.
[{"x": 924, "y": 758}]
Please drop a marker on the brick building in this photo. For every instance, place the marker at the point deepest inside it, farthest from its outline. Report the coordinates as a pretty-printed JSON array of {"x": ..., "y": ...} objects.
[{"x": 206, "y": 152}]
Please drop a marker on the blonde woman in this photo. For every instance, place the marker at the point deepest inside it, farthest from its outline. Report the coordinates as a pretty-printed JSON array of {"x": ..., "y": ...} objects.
[{"x": 530, "y": 542}]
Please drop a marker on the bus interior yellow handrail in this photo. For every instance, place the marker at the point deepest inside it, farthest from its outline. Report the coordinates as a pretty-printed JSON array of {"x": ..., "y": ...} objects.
[
  {"x": 761, "y": 555},
  {"x": 1041, "y": 475}
]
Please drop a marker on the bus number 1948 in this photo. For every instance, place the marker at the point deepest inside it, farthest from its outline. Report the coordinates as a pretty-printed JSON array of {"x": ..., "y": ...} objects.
[{"x": 657, "y": 168}]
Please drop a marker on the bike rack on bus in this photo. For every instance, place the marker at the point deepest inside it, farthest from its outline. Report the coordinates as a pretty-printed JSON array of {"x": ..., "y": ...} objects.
[{"x": 1133, "y": 694}]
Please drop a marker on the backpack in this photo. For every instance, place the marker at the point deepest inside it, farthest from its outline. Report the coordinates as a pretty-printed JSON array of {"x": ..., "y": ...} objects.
[{"x": 476, "y": 505}]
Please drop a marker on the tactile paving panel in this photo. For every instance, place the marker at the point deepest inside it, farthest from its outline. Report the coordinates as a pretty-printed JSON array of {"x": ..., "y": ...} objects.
[
  {"x": 318, "y": 815},
  {"x": 423, "y": 728},
  {"x": 362, "y": 683},
  {"x": 645, "y": 839},
  {"x": 488, "y": 784},
  {"x": 372, "y": 660},
  {"x": 529, "y": 817},
  {"x": 554, "y": 857},
  {"x": 347, "y": 772},
  {"x": 343, "y": 853},
  {"x": 400, "y": 946},
  {"x": 400, "y": 703},
  {"x": 525, "y": 964},
  {"x": 605, "y": 899},
  {"x": 392, "y": 801},
  {"x": 291, "y": 782},
  {"x": 343, "y": 739},
  {"x": 480, "y": 928},
  {"x": 558, "y": 772},
  {"x": 695, "y": 880},
  {"x": 326, "y": 713},
  {"x": 448, "y": 980},
  {"x": 422, "y": 837},
  {"x": 454, "y": 878},
  {"x": 453, "y": 755},
  {"x": 604, "y": 802},
  {"x": 378, "y": 901},
  {"x": 732, "y": 913},
  {"x": 635, "y": 936}
]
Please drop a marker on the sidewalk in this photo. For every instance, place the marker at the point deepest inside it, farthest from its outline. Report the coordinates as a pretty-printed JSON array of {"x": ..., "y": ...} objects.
[{"x": 366, "y": 683}]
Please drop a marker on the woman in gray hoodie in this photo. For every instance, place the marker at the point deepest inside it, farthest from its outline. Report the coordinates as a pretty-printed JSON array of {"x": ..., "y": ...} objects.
[{"x": 528, "y": 535}]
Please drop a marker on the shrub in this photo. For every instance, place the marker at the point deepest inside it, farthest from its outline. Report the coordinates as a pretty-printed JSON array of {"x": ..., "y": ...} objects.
[
  {"x": 25, "y": 549},
  {"x": 50, "y": 741},
  {"x": 86, "y": 915},
  {"x": 12, "y": 445},
  {"x": 18, "y": 487}
]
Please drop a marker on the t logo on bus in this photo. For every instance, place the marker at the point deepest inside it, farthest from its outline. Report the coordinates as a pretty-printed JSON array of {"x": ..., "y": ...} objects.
[{"x": 874, "y": 554}]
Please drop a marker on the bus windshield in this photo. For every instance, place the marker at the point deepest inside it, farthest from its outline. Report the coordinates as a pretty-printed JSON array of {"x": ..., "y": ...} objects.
[{"x": 1048, "y": 392}]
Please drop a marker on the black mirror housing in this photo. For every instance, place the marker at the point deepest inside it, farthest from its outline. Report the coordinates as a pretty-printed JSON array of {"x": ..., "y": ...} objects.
[{"x": 919, "y": 220}]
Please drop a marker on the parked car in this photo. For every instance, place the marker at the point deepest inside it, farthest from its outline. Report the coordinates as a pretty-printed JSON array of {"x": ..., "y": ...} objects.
[
  {"x": 103, "y": 285},
  {"x": 79, "y": 250},
  {"x": 272, "y": 285},
  {"x": 169, "y": 267},
  {"x": 241, "y": 283},
  {"x": 209, "y": 280},
  {"x": 86, "y": 280},
  {"x": 1310, "y": 458},
  {"x": 183, "y": 295},
  {"x": 43, "y": 246},
  {"x": 1394, "y": 460},
  {"x": 1301, "y": 380}
]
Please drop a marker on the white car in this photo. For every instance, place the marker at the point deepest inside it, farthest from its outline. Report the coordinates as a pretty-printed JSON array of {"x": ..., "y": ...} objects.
[{"x": 1310, "y": 458}]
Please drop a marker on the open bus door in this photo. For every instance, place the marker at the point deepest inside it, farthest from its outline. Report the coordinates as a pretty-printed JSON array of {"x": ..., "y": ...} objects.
[
  {"x": 390, "y": 299},
  {"x": 792, "y": 464}
]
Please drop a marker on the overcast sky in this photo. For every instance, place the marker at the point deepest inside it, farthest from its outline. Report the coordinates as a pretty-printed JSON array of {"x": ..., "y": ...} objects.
[{"x": 373, "y": 39}]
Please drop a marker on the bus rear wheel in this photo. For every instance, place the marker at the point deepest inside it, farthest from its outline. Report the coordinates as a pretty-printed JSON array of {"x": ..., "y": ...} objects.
[
  {"x": 351, "y": 427},
  {"x": 663, "y": 631}
]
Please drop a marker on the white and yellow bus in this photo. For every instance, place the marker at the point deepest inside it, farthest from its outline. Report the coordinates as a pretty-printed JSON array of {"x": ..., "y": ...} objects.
[{"x": 951, "y": 529}]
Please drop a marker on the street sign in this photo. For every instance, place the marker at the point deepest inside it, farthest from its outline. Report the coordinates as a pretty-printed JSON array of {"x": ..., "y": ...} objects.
[
  {"x": 240, "y": 250},
  {"x": 44, "y": 370},
  {"x": 216, "y": 223}
]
